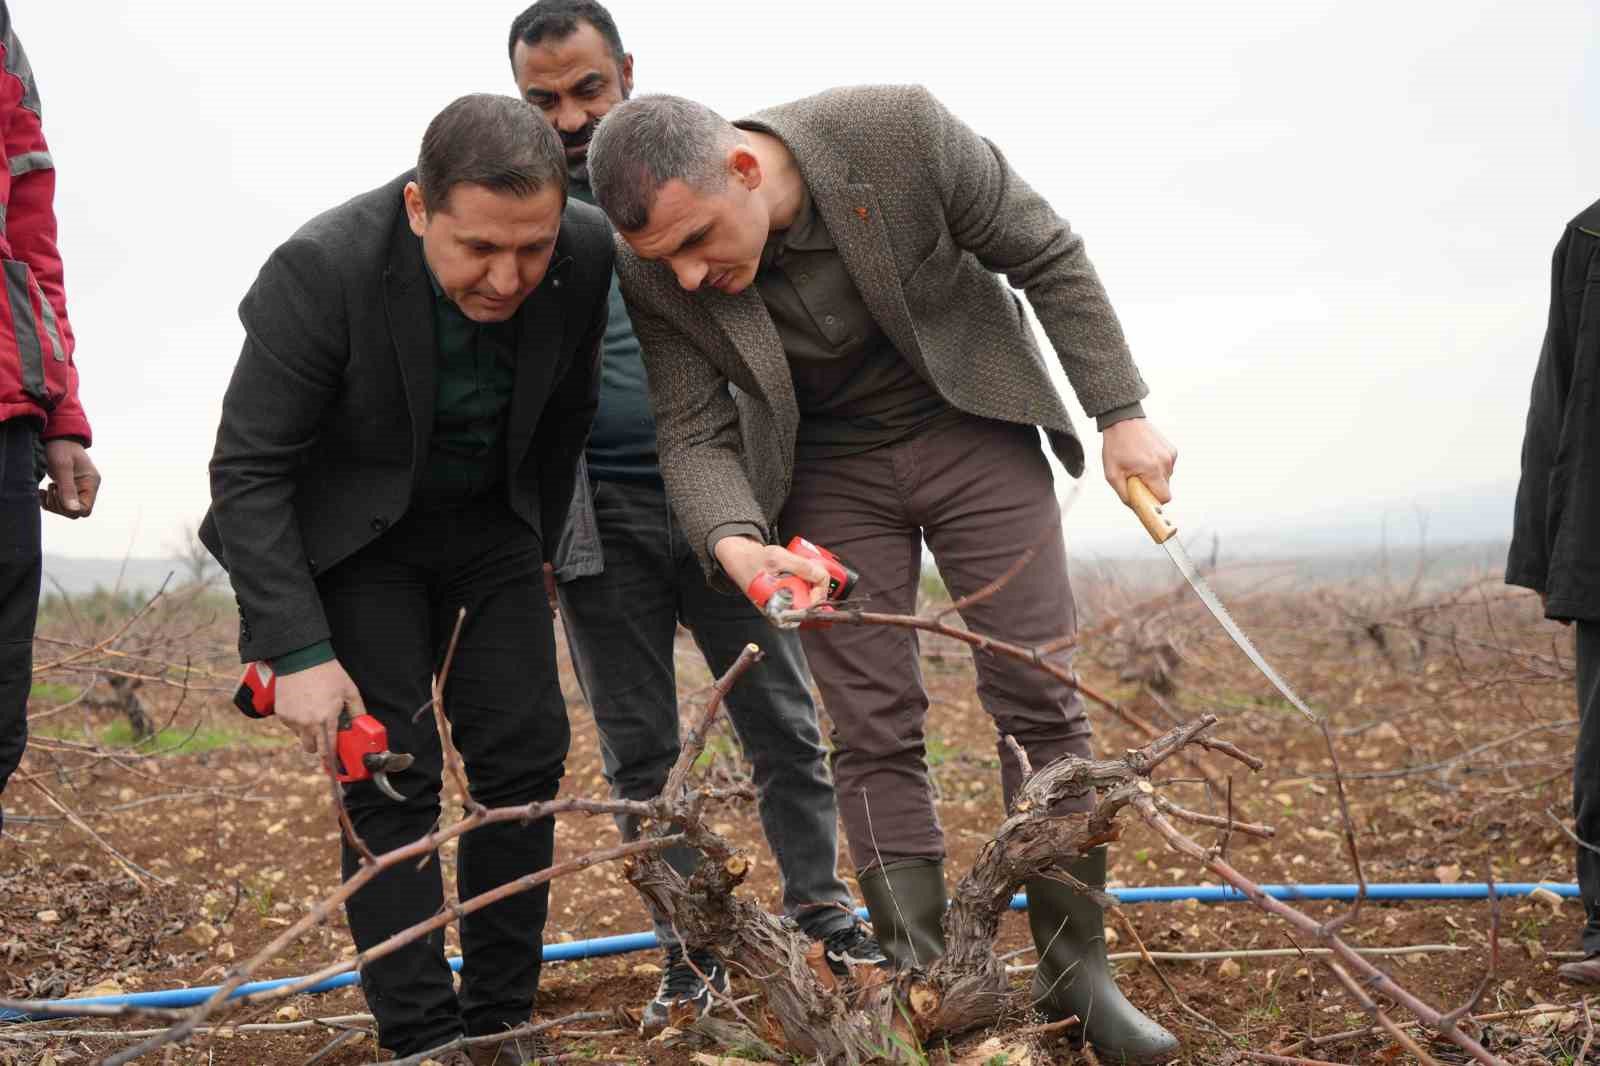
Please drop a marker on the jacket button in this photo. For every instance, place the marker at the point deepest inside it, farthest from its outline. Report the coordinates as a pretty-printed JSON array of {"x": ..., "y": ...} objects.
[
  {"x": 379, "y": 524},
  {"x": 311, "y": 564}
]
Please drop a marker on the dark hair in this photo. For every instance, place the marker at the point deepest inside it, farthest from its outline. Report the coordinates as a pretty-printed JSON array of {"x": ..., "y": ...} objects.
[
  {"x": 499, "y": 142},
  {"x": 648, "y": 141},
  {"x": 559, "y": 19}
]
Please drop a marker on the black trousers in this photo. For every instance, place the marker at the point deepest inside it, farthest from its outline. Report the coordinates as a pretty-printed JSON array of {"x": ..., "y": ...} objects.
[
  {"x": 391, "y": 608},
  {"x": 20, "y": 567},
  {"x": 1586, "y": 780}
]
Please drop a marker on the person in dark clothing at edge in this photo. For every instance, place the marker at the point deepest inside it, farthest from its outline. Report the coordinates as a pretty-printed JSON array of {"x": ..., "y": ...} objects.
[
  {"x": 42, "y": 425},
  {"x": 1555, "y": 540},
  {"x": 628, "y": 576},
  {"x": 399, "y": 441}
]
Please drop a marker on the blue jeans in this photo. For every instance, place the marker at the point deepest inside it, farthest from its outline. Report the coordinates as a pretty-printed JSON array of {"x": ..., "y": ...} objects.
[{"x": 620, "y": 625}]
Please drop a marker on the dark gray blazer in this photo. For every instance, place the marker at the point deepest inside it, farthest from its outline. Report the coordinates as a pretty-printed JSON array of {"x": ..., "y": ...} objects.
[
  {"x": 1555, "y": 539},
  {"x": 326, "y": 423},
  {"x": 936, "y": 230}
]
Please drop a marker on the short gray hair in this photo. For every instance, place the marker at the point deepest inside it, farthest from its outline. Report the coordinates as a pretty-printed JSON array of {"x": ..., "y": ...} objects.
[{"x": 648, "y": 141}]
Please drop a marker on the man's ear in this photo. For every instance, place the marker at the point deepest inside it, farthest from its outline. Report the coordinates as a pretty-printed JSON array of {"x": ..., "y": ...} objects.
[
  {"x": 416, "y": 209},
  {"x": 745, "y": 167},
  {"x": 627, "y": 75}
]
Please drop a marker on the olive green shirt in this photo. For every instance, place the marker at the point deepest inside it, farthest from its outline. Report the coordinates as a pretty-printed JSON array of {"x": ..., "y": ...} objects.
[
  {"x": 474, "y": 374},
  {"x": 854, "y": 390},
  {"x": 473, "y": 380}
]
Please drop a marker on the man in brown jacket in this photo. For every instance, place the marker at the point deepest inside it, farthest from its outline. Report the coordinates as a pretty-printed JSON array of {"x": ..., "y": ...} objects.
[{"x": 838, "y": 262}]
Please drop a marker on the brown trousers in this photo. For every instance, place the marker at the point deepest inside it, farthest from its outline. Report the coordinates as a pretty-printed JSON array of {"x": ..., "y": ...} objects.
[{"x": 981, "y": 494}]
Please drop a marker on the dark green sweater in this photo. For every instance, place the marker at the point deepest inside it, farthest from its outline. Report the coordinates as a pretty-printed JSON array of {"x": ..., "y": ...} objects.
[
  {"x": 622, "y": 444},
  {"x": 473, "y": 380}
]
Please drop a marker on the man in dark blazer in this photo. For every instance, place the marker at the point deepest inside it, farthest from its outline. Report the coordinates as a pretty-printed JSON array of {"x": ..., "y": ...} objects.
[
  {"x": 399, "y": 440},
  {"x": 1555, "y": 542},
  {"x": 843, "y": 263}
]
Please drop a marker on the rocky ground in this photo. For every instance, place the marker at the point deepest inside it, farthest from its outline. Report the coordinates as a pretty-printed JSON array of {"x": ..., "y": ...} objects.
[{"x": 1452, "y": 714}]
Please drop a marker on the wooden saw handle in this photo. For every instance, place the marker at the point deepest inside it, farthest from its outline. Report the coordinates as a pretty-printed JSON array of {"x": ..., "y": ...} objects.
[{"x": 1144, "y": 504}]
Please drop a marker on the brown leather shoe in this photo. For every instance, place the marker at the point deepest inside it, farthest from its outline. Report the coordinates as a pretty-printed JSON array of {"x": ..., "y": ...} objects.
[{"x": 1584, "y": 972}]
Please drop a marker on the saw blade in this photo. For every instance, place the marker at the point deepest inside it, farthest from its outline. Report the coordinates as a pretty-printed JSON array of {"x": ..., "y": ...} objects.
[{"x": 1191, "y": 574}]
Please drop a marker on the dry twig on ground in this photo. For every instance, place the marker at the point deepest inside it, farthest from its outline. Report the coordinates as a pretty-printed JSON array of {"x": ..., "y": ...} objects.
[{"x": 968, "y": 987}]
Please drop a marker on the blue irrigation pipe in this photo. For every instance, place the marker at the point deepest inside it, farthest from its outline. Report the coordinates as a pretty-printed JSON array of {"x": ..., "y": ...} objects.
[{"x": 628, "y": 942}]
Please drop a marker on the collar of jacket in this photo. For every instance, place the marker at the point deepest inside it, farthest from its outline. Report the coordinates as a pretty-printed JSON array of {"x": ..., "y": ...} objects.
[{"x": 849, "y": 208}]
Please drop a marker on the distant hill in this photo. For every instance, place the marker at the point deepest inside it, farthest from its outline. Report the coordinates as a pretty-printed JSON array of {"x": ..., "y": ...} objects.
[
  {"x": 1477, "y": 515},
  {"x": 1481, "y": 514},
  {"x": 1467, "y": 529},
  {"x": 78, "y": 577},
  {"x": 1439, "y": 539}
]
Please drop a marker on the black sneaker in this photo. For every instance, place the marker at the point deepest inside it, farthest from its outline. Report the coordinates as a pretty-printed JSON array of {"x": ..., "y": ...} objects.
[
  {"x": 852, "y": 946},
  {"x": 681, "y": 985}
]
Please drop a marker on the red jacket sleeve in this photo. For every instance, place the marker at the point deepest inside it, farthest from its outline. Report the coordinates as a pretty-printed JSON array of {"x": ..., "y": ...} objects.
[{"x": 30, "y": 221}]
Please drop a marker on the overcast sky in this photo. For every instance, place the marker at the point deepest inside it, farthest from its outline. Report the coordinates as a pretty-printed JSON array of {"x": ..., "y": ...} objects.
[{"x": 1326, "y": 225}]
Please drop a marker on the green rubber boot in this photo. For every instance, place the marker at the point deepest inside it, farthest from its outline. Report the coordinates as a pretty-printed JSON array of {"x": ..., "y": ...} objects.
[
  {"x": 1074, "y": 977},
  {"x": 906, "y": 901}
]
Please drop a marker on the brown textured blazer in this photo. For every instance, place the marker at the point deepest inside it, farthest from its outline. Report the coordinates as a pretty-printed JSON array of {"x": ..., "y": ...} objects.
[{"x": 927, "y": 216}]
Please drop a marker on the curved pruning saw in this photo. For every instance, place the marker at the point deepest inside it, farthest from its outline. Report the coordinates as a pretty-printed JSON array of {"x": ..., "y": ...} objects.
[{"x": 1164, "y": 533}]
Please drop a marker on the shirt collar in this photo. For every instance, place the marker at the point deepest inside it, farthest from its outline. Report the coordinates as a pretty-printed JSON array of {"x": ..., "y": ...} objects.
[
  {"x": 433, "y": 282},
  {"x": 443, "y": 303},
  {"x": 580, "y": 189},
  {"x": 807, "y": 233},
  {"x": 441, "y": 299}
]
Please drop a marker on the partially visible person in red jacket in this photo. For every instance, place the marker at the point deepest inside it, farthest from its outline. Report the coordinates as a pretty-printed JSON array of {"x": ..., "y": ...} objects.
[{"x": 42, "y": 426}]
